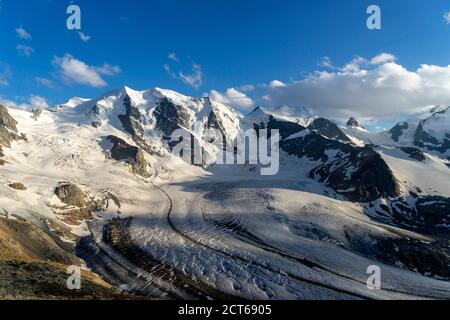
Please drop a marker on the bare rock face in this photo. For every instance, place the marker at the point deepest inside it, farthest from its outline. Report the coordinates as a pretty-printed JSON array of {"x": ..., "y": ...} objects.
[
  {"x": 79, "y": 206},
  {"x": 328, "y": 129},
  {"x": 397, "y": 131},
  {"x": 36, "y": 113},
  {"x": 122, "y": 151},
  {"x": 359, "y": 173},
  {"x": 70, "y": 194},
  {"x": 17, "y": 186},
  {"x": 8, "y": 131},
  {"x": 171, "y": 117},
  {"x": 132, "y": 123},
  {"x": 434, "y": 210},
  {"x": 285, "y": 128},
  {"x": 425, "y": 140},
  {"x": 353, "y": 123},
  {"x": 414, "y": 153},
  {"x": 8, "y": 127}
]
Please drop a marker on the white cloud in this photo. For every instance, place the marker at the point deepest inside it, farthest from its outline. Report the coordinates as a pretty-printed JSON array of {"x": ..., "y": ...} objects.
[
  {"x": 45, "y": 82},
  {"x": 247, "y": 88},
  {"x": 33, "y": 101},
  {"x": 72, "y": 70},
  {"x": 354, "y": 65},
  {"x": 193, "y": 79},
  {"x": 11, "y": 104},
  {"x": 173, "y": 56},
  {"x": 84, "y": 37},
  {"x": 383, "y": 58},
  {"x": 325, "y": 62},
  {"x": 23, "y": 34},
  {"x": 375, "y": 88},
  {"x": 25, "y": 50},
  {"x": 276, "y": 84},
  {"x": 38, "y": 102},
  {"x": 447, "y": 17},
  {"x": 108, "y": 70},
  {"x": 234, "y": 98}
]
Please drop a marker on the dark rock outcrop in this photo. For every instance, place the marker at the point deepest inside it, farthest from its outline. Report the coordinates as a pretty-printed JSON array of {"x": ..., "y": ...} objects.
[
  {"x": 70, "y": 194},
  {"x": 328, "y": 129},
  {"x": 424, "y": 214},
  {"x": 428, "y": 259},
  {"x": 358, "y": 173},
  {"x": 96, "y": 124},
  {"x": 353, "y": 123},
  {"x": 434, "y": 211},
  {"x": 397, "y": 131},
  {"x": 414, "y": 153},
  {"x": 423, "y": 139},
  {"x": 171, "y": 117},
  {"x": 36, "y": 113},
  {"x": 8, "y": 127},
  {"x": 17, "y": 186},
  {"x": 8, "y": 131},
  {"x": 132, "y": 123},
  {"x": 285, "y": 128},
  {"x": 122, "y": 151}
]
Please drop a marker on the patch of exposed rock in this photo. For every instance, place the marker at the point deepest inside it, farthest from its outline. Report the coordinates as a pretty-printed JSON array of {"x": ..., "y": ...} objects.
[
  {"x": 17, "y": 186},
  {"x": 358, "y": 173},
  {"x": 8, "y": 131},
  {"x": 414, "y": 153},
  {"x": 122, "y": 151},
  {"x": 79, "y": 206},
  {"x": 353, "y": 123},
  {"x": 397, "y": 131},
  {"x": 70, "y": 194},
  {"x": 36, "y": 113},
  {"x": 8, "y": 128},
  {"x": 131, "y": 122},
  {"x": 285, "y": 128},
  {"x": 328, "y": 129},
  {"x": 429, "y": 214}
]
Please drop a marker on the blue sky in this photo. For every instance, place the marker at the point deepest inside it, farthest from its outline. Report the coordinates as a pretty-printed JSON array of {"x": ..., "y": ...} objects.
[{"x": 220, "y": 45}]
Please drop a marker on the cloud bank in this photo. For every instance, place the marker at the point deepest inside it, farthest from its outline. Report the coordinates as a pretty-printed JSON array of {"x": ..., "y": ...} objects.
[
  {"x": 367, "y": 88},
  {"x": 73, "y": 70},
  {"x": 234, "y": 98}
]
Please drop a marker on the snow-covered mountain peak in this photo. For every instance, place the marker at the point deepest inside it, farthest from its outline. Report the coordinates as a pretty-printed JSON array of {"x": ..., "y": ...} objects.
[
  {"x": 438, "y": 124},
  {"x": 354, "y": 124},
  {"x": 301, "y": 115},
  {"x": 72, "y": 103}
]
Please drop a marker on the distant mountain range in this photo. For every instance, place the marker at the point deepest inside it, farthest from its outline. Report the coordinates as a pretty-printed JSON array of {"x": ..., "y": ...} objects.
[{"x": 92, "y": 159}]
